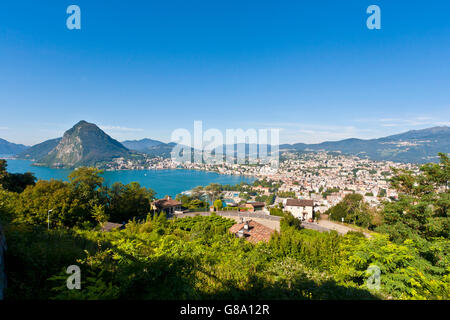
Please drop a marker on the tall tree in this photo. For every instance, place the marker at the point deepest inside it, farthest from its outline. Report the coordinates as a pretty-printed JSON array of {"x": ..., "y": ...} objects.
[
  {"x": 422, "y": 208},
  {"x": 15, "y": 182},
  {"x": 3, "y": 172},
  {"x": 128, "y": 201}
]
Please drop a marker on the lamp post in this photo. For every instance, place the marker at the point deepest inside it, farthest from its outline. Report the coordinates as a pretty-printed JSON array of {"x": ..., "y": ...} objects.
[{"x": 48, "y": 218}]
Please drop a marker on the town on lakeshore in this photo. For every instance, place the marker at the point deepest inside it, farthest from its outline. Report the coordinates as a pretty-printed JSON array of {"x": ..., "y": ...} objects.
[
  {"x": 324, "y": 177},
  {"x": 305, "y": 183},
  {"x": 217, "y": 158}
]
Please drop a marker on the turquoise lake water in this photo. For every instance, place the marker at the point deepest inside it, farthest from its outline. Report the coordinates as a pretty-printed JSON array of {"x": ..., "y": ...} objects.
[{"x": 164, "y": 182}]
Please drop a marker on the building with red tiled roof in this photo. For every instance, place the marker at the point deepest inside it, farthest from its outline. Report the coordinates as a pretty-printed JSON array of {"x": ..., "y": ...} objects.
[
  {"x": 252, "y": 231},
  {"x": 167, "y": 205},
  {"x": 255, "y": 206}
]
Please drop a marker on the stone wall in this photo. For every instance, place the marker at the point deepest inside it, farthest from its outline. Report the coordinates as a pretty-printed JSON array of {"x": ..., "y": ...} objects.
[{"x": 2, "y": 263}]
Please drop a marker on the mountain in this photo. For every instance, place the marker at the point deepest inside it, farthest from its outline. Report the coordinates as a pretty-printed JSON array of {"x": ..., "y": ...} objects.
[
  {"x": 9, "y": 148},
  {"x": 40, "y": 150},
  {"x": 84, "y": 145},
  {"x": 161, "y": 150},
  {"x": 150, "y": 147},
  {"x": 142, "y": 145},
  {"x": 417, "y": 146}
]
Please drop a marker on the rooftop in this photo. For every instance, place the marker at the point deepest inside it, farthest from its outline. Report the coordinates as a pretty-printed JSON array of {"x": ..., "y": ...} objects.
[
  {"x": 299, "y": 203},
  {"x": 256, "y": 232},
  {"x": 257, "y": 204},
  {"x": 167, "y": 202},
  {"x": 109, "y": 226}
]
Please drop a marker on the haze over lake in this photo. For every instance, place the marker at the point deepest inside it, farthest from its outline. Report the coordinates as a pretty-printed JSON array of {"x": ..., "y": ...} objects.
[{"x": 164, "y": 182}]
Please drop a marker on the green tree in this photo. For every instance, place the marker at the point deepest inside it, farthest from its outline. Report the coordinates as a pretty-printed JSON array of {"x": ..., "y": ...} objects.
[
  {"x": 197, "y": 204},
  {"x": 270, "y": 200},
  {"x": 353, "y": 209},
  {"x": 191, "y": 202},
  {"x": 290, "y": 221},
  {"x": 7, "y": 205},
  {"x": 277, "y": 211},
  {"x": 125, "y": 202},
  {"x": 218, "y": 205},
  {"x": 85, "y": 183},
  {"x": 422, "y": 208},
  {"x": 99, "y": 214},
  {"x": 34, "y": 202},
  {"x": 86, "y": 176},
  {"x": 3, "y": 171},
  {"x": 15, "y": 182},
  {"x": 213, "y": 191}
]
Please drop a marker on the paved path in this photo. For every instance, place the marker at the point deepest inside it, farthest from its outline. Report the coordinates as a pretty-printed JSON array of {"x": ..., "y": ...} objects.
[
  {"x": 340, "y": 228},
  {"x": 314, "y": 226}
]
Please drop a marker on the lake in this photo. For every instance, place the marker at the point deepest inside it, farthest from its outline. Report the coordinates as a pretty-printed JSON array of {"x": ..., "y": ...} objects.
[{"x": 164, "y": 182}]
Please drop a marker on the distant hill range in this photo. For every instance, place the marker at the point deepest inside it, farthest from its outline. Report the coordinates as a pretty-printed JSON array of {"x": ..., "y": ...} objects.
[
  {"x": 141, "y": 145},
  {"x": 40, "y": 150},
  {"x": 417, "y": 146},
  {"x": 9, "y": 148},
  {"x": 150, "y": 147},
  {"x": 87, "y": 144}
]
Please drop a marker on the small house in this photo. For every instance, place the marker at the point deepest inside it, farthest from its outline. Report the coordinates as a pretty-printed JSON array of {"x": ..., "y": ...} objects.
[
  {"x": 167, "y": 204},
  {"x": 255, "y": 206},
  {"x": 300, "y": 208}
]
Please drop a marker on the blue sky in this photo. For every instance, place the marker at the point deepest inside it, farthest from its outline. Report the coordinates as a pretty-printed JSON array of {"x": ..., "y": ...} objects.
[{"x": 144, "y": 68}]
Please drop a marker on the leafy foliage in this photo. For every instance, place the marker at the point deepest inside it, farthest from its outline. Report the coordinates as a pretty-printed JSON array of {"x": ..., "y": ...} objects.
[
  {"x": 218, "y": 205},
  {"x": 82, "y": 200},
  {"x": 353, "y": 209},
  {"x": 15, "y": 182},
  {"x": 424, "y": 200},
  {"x": 197, "y": 258}
]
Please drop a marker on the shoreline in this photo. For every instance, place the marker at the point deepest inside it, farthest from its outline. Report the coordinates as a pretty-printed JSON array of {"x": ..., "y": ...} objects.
[{"x": 145, "y": 169}]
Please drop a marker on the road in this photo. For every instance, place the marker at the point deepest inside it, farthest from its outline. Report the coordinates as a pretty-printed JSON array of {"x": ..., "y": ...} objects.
[{"x": 340, "y": 228}]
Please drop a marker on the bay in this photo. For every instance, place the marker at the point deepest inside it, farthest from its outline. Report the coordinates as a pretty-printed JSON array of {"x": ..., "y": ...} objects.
[{"x": 163, "y": 182}]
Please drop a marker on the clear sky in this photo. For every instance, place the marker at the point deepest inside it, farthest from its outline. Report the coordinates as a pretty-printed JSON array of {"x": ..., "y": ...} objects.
[{"x": 144, "y": 68}]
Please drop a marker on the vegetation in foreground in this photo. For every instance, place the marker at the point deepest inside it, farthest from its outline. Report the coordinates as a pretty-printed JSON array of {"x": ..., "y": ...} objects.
[{"x": 196, "y": 258}]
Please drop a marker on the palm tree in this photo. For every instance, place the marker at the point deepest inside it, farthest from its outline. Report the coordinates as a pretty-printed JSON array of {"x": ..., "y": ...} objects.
[{"x": 213, "y": 191}]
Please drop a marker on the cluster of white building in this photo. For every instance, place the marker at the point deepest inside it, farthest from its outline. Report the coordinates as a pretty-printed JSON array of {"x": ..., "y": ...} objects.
[{"x": 320, "y": 176}]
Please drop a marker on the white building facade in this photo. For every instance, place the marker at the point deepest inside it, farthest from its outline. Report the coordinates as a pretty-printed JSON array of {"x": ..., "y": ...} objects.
[{"x": 300, "y": 208}]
